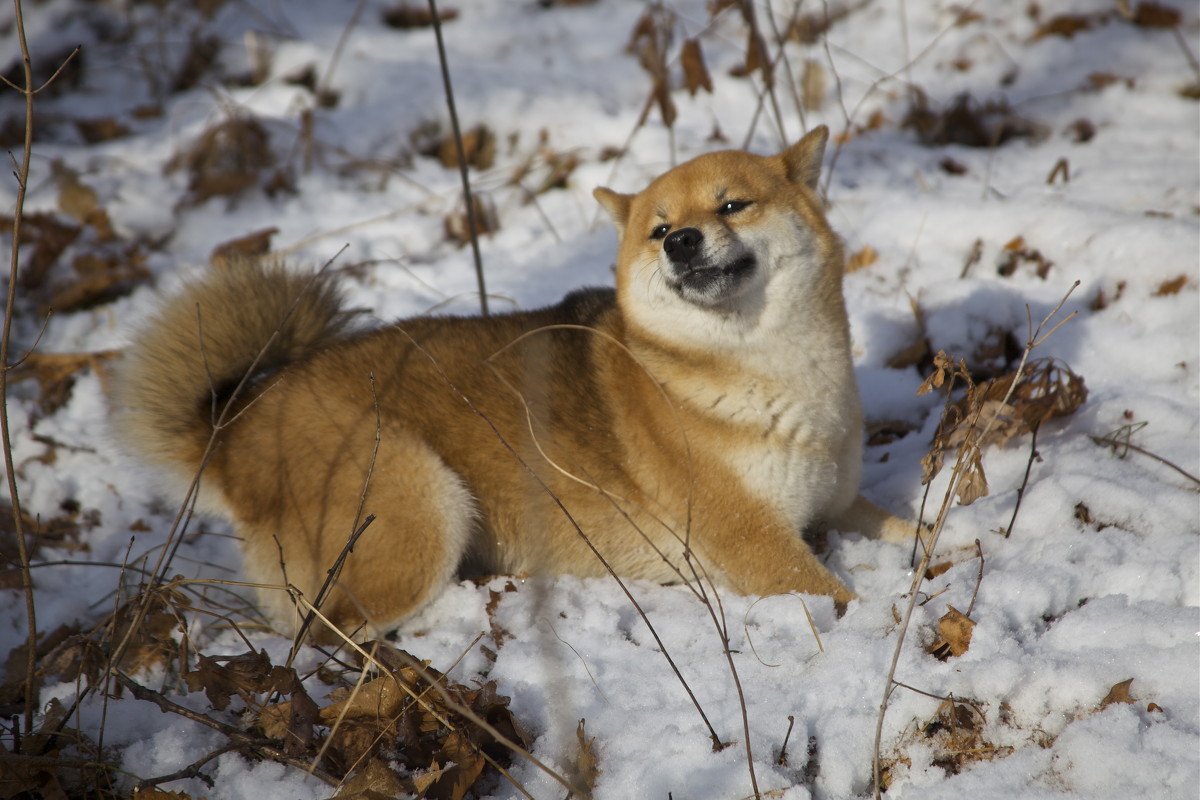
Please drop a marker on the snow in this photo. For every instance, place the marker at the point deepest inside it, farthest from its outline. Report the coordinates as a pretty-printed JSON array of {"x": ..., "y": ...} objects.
[{"x": 1065, "y": 609}]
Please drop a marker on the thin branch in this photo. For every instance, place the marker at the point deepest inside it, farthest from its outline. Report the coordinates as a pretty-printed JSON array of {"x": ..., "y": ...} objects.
[
  {"x": 968, "y": 452},
  {"x": 190, "y": 771},
  {"x": 1033, "y": 455},
  {"x": 22, "y": 175},
  {"x": 1112, "y": 442},
  {"x": 462, "y": 158},
  {"x": 717, "y": 743},
  {"x": 978, "y": 578},
  {"x": 331, "y": 577},
  {"x": 237, "y": 737}
]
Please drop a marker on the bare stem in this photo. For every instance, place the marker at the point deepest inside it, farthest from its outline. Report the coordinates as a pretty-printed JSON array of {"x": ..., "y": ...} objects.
[
  {"x": 967, "y": 454},
  {"x": 22, "y": 176},
  {"x": 462, "y": 158}
]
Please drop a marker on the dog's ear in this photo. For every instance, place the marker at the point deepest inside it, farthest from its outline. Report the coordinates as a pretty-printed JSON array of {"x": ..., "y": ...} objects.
[
  {"x": 802, "y": 161},
  {"x": 616, "y": 204}
]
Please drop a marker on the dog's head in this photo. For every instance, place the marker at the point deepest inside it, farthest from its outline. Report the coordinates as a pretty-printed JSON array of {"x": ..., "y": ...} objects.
[{"x": 728, "y": 233}]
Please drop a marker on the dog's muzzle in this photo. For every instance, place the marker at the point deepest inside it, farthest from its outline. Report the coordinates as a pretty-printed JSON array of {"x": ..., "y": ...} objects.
[{"x": 693, "y": 273}]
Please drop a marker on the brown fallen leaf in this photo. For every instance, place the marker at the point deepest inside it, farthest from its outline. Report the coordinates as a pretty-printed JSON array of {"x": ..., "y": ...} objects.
[
  {"x": 227, "y": 159},
  {"x": 479, "y": 148},
  {"x": 1064, "y": 25},
  {"x": 861, "y": 259},
  {"x": 813, "y": 85},
  {"x": 937, "y": 569},
  {"x": 404, "y": 16},
  {"x": 253, "y": 244},
  {"x": 955, "y": 629},
  {"x": 695, "y": 71},
  {"x": 457, "y": 224},
  {"x": 1172, "y": 286},
  {"x": 585, "y": 763},
  {"x": 1154, "y": 15},
  {"x": 1119, "y": 693},
  {"x": 55, "y": 374}
]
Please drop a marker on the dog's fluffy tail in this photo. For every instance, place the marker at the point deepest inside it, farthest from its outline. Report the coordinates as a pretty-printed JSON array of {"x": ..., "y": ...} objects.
[{"x": 185, "y": 363}]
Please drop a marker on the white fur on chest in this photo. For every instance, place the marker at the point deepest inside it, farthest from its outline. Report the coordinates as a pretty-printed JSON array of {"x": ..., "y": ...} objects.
[{"x": 793, "y": 441}]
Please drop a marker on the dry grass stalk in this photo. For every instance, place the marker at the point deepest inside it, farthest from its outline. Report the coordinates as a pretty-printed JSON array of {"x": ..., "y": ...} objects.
[
  {"x": 468, "y": 198},
  {"x": 967, "y": 465},
  {"x": 22, "y": 175},
  {"x": 716, "y": 740}
]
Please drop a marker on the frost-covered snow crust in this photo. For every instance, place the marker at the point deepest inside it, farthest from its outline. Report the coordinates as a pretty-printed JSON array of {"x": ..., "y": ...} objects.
[{"x": 1099, "y": 581}]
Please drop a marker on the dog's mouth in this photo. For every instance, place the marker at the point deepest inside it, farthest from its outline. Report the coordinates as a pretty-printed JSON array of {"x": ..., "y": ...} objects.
[{"x": 711, "y": 286}]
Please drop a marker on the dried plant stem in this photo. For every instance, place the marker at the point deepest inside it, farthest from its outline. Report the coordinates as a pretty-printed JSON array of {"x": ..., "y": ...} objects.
[
  {"x": 978, "y": 577},
  {"x": 357, "y": 531},
  {"x": 904, "y": 69},
  {"x": 716, "y": 740},
  {"x": 220, "y": 421},
  {"x": 1033, "y": 454},
  {"x": 968, "y": 453},
  {"x": 699, "y": 576},
  {"x": 1112, "y": 442},
  {"x": 13, "y": 493},
  {"x": 190, "y": 771},
  {"x": 462, "y": 157},
  {"x": 22, "y": 175},
  {"x": 239, "y": 738}
]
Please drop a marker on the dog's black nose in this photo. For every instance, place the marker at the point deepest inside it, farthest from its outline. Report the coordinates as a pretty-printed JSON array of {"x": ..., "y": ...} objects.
[{"x": 683, "y": 245}]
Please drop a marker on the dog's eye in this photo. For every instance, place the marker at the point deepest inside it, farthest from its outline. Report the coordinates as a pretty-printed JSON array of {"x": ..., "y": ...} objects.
[
  {"x": 732, "y": 207},
  {"x": 660, "y": 232}
]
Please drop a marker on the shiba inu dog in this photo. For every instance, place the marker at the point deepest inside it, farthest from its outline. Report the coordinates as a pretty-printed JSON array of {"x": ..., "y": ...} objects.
[{"x": 692, "y": 423}]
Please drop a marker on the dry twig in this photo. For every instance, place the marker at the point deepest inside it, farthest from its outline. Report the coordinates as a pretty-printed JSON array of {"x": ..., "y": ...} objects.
[{"x": 969, "y": 454}]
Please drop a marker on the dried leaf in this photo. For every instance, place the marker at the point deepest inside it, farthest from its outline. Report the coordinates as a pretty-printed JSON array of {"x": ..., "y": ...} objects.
[
  {"x": 1119, "y": 693},
  {"x": 813, "y": 85},
  {"x": 1082, "y": 130},
  {"x": 479, "y": 149},
  {"x": 55, "y": 374},
  {"x": 968, "y": 122},
  {"x": 1153, "y": 15},
  {"x": 666, "y": 103},
  {"x": 226, "y": 160},
  {"x": 375, "y": 781},
  {"x": 201, "y": 55},
  {"x": 1016, "y": 253},
  {"x": 862, "y": 259},
  {"x": 75, "y": 198},
  {"x": 1064, "y": 25},
  {"x": 973, "y": 484},
  {"x": 49, "y": 237},
  {"x": 405, "y": 16},
  {"x": 887, "y": 431},
  {"x": 952, "y": 166},
  {"x": 291, "y": 722},
  {"x": 1172, "y": 286},
  {"x": 757, "y": 57},
  {"x": 1102, "y": 80},
  {"x": 458, "y": 227},
  {"x": 695, "y": 71},
  {"x": 1102, "y": 300},
  {"x": 585, "y": 762},
  {"x": 937, "y": 569},
  {"x": 1049, "y": 390},
  {"x": 253, "y": 244},
  {"x": 251, "y": 673},
  {"x": 956, "y": 629},
  {"x": 462, "y": 764}
]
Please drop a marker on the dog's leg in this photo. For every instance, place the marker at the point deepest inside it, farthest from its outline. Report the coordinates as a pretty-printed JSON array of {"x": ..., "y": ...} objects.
[
  {"x": 759, "y": 553},
  {"x": 423, "y": 513},
  {"x": 871, "y": 521}
]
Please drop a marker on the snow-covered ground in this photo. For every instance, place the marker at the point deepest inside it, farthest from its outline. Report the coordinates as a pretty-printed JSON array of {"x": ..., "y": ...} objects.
[{"x": 1099, "y": 581}]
